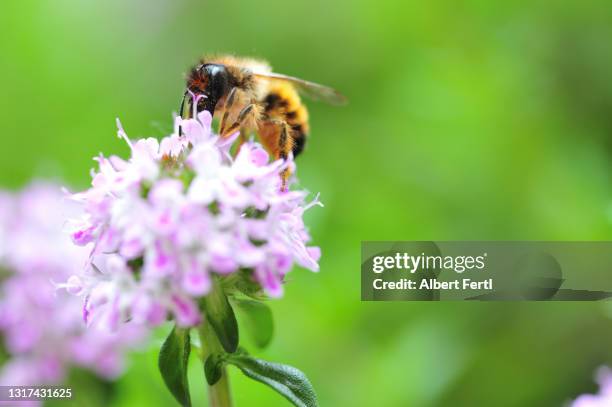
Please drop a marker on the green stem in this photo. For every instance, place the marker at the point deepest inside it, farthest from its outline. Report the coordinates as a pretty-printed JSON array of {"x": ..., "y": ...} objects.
[{"x": 219, "y": 393}]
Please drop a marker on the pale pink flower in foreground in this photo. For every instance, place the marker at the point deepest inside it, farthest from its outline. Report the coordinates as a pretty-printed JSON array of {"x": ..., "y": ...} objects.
[
  {"x": 42, "y": 326},
  {"x": 161, "y": 225},
  {"x": 604, "y": 397}
]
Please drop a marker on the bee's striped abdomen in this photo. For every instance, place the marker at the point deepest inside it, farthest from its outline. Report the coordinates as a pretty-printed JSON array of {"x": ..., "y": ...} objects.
[{"x": 282, "y": 102}]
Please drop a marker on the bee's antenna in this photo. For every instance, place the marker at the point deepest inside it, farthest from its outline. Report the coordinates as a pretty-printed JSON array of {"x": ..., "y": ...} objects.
[{"x": 181, "y": 109}]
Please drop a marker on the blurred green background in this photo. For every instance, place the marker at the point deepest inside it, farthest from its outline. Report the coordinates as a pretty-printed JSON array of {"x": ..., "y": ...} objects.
[{"x": 467, "y": 120}]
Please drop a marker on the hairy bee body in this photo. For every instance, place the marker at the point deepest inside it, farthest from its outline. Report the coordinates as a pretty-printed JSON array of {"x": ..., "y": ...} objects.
[{"x": 246, "y": 95}]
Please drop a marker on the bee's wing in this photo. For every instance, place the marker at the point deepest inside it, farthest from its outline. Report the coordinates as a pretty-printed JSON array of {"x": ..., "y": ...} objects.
[{"x": 309, "y": 89}]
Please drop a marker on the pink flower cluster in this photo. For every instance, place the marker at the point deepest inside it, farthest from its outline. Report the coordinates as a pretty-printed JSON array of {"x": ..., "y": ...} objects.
[
  {"x": 604, "y": 397},
  {"x": 178, "y": 212},
  {"x": 41, "y": 326}
]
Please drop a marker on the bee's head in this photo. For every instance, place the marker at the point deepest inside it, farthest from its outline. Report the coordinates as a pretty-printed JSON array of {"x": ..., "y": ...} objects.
[{"x": 212, "y": 81}]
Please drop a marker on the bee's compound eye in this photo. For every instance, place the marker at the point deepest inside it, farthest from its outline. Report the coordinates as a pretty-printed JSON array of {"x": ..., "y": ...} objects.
[
  {"x": 215, "y": 78},
  {"x": 213, "y": 70},
  {"x": 217, "y": 82}
]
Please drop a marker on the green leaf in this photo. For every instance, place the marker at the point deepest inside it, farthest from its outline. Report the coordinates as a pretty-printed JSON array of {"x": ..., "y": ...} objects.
[
  {"x": 257, "y": 318},
  {"x": 287, "y": 380},
  {"x": 220, "y": 315},
  {"x": 213, "y": 368},
  {"x": 243, "y": 281},
  {"x": 172, "y": 362}
]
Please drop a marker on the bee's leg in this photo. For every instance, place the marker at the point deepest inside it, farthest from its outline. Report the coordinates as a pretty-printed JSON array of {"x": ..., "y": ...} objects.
[
  {"x": 246, "y": 118},
  {"x": 277, "y": 136},
  {"x": 227, "y": 109},
  {"x": 285, "y": 147}
]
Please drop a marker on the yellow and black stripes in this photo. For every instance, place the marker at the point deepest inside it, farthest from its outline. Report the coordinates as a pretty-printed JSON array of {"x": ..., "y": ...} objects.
[{"x": 282, "y": 103}]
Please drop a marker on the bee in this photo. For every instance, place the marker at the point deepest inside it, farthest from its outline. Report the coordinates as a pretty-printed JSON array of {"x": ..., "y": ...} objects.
[{"x": 246, "y": 96}]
